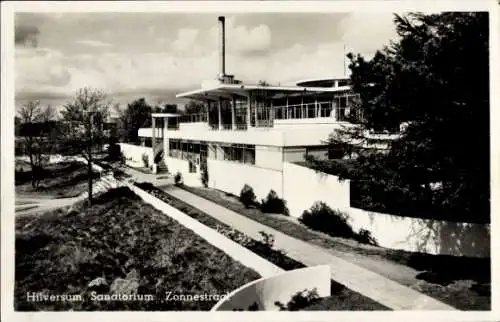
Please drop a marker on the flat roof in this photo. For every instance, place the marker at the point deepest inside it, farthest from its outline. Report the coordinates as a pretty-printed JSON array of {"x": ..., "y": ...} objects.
[
  {"x": 164, "y": 115},
  {"x": 230, "y": 90}
]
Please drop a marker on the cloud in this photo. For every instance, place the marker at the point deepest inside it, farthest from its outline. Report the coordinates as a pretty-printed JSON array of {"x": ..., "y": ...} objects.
[
  {"x": 93, "y": 43},
  {"x": 243, "y": 39},
  {"x": 192, "y": 56},
  {"x": 186, "y": 39},
  {"x": 120, "y": 72},
  {"x": 26, "y": 35},
  {"x": 360, "y": 34}
]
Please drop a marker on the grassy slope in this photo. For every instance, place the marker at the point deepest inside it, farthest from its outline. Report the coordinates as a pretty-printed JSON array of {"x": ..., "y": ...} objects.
[
  {"x": 459, "y": 281},
  {"x": 61, "y": 253}
]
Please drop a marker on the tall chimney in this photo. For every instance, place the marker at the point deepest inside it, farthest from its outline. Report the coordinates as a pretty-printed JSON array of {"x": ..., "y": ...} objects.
[{"x": 222, "y": 44}]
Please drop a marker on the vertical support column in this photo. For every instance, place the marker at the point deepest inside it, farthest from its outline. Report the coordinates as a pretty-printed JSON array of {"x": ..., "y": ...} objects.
[
  {"x": 249, "y": 108},
  {"x": 301, "y": 106},
  {"x": 315, "y": 107},
  {"x": 207, "y": 110},
  {"x": 153, "y": 144},
  {"x": 286, "y": 108},
  {"x": 233, "y": 114},
  {"x": 219, "y": 115},
  {"x": 271, "y": 114},
  {"x": 166, "y": 141},
  {"x": 255, "y": 112}
]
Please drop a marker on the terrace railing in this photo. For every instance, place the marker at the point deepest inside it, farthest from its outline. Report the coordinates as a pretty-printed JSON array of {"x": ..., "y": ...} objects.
[{"x": 193, "y": 118}]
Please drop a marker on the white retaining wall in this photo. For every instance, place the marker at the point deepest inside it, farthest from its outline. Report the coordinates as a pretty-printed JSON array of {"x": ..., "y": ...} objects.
[
  {"x": 135, "y": 152},
  {"x": 175, "y": 165},
  {"x": 232, "y": 176},
  {"x": 303, "y": 187},
  {"x": 267, "y": 290},
  {"x": 239, "y": 253}
]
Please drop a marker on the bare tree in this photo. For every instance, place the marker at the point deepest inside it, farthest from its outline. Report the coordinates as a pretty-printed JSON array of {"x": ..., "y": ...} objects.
[
  {"x": 85, "y": 115},
  {"x": 36, "y": 135}
]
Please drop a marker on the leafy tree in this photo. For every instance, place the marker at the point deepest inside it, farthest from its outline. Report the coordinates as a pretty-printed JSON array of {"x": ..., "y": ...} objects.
[
  {"x": 436, "y": 80},
  {"x": 36, "y": 130},
  {"x": 194, "y": 107},
  {"x": 85, "y": 115},
  {"x": 135, "y": 116}
]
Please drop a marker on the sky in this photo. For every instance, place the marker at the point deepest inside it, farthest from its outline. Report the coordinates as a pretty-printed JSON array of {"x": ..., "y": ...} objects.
[{"x": 156, "y": 55}]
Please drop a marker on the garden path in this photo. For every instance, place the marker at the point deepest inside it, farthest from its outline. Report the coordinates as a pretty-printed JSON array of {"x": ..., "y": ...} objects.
[{"x": 381, "y": 289}]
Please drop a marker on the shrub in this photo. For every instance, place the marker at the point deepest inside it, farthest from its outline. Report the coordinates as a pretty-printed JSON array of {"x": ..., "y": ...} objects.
[
  {"x": 114, "y": 150},
  {"x": 300, "y": 300},
  {"x": 274, "y": 204},
  {"x": 204, "y": 175},
  {"x": 324, "y": 219},
  {"x": 145, "y": 159},
  {"x": 178, "y": 178},
  {"x": 247, "y": 196},
  {"x": 365, "y": 236}
]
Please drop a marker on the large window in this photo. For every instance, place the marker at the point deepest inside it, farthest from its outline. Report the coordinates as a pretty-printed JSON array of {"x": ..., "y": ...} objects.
[
  {"x": 239, "y": 153},
  {"x": 197, "y": 151}
]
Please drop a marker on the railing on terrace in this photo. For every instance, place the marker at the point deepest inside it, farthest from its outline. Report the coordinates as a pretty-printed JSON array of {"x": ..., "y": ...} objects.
[
  {"x": 266, "y": 116},
  {"x": 303, "y": 111},
  {"x": 193, "y": 118}
]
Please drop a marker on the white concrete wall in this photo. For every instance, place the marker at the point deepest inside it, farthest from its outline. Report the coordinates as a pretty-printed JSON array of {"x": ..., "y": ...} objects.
[
  {"x": 267, "y": 290},
  {"x": 252, "y": 136},
  {"x": 423, "y": 235},
  {"x": 239, "y": 253},
  {"x": 135, "y": 152},
  {"x": 309, "y": 121},
  {"x": 282, "y": 135},
  {"x": 294, "y": 154},
  {"x": 231, "y": 177},
  {"x": 303, "y": 187},
  {"x": 148, "y": 132},
  {"x": 194, "y": 126},
  {"x": 175, "y": 165},
  {"x": 269, "y": 157}
]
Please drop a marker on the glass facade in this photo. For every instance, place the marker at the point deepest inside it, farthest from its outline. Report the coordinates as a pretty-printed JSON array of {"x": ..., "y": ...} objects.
[{"x": 197, "y": 151}]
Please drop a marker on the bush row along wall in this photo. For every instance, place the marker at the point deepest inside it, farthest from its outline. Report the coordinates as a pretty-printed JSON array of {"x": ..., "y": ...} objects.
[
  {"x": 304, "y": 186},
  {"x": 301, "y": 187},
  {"x": 231, "y": 177}
]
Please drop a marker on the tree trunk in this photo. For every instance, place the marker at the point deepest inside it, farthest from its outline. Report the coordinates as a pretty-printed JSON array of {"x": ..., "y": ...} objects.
[{"x": 90, "y": 179}]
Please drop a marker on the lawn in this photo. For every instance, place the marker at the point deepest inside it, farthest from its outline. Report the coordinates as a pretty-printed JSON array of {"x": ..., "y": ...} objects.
[
  {"x": 119, "y": 246},
  {"x": 60, "y": 180},
  {"x": 342, "y": 297},
  {"x": 458, "y": 281}
]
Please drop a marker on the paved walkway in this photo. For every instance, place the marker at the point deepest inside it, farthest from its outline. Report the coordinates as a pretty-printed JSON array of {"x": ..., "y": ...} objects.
[
  {"x": 29, "y": 205},
  {"x": 381, "y": 289},
  {"x": 158, "y": 180}
]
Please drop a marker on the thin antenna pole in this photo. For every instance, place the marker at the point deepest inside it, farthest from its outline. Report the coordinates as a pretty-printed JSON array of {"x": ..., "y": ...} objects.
[{"x": 343, "y": 56}]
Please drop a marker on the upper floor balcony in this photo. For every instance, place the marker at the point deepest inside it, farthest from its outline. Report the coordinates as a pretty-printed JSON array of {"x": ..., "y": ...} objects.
[{"x": 241, "y": 117}]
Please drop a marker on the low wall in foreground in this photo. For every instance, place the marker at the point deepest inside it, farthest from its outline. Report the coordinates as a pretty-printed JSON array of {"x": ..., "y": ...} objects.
[
  {"x": 266, "y": 291},
  {"x": 303, "y": 187}
]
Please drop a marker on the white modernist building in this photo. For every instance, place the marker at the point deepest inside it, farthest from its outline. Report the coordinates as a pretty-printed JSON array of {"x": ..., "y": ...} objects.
[
  {"x": 248, "y": 132},
  {"x": 254, "y": 135}
]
